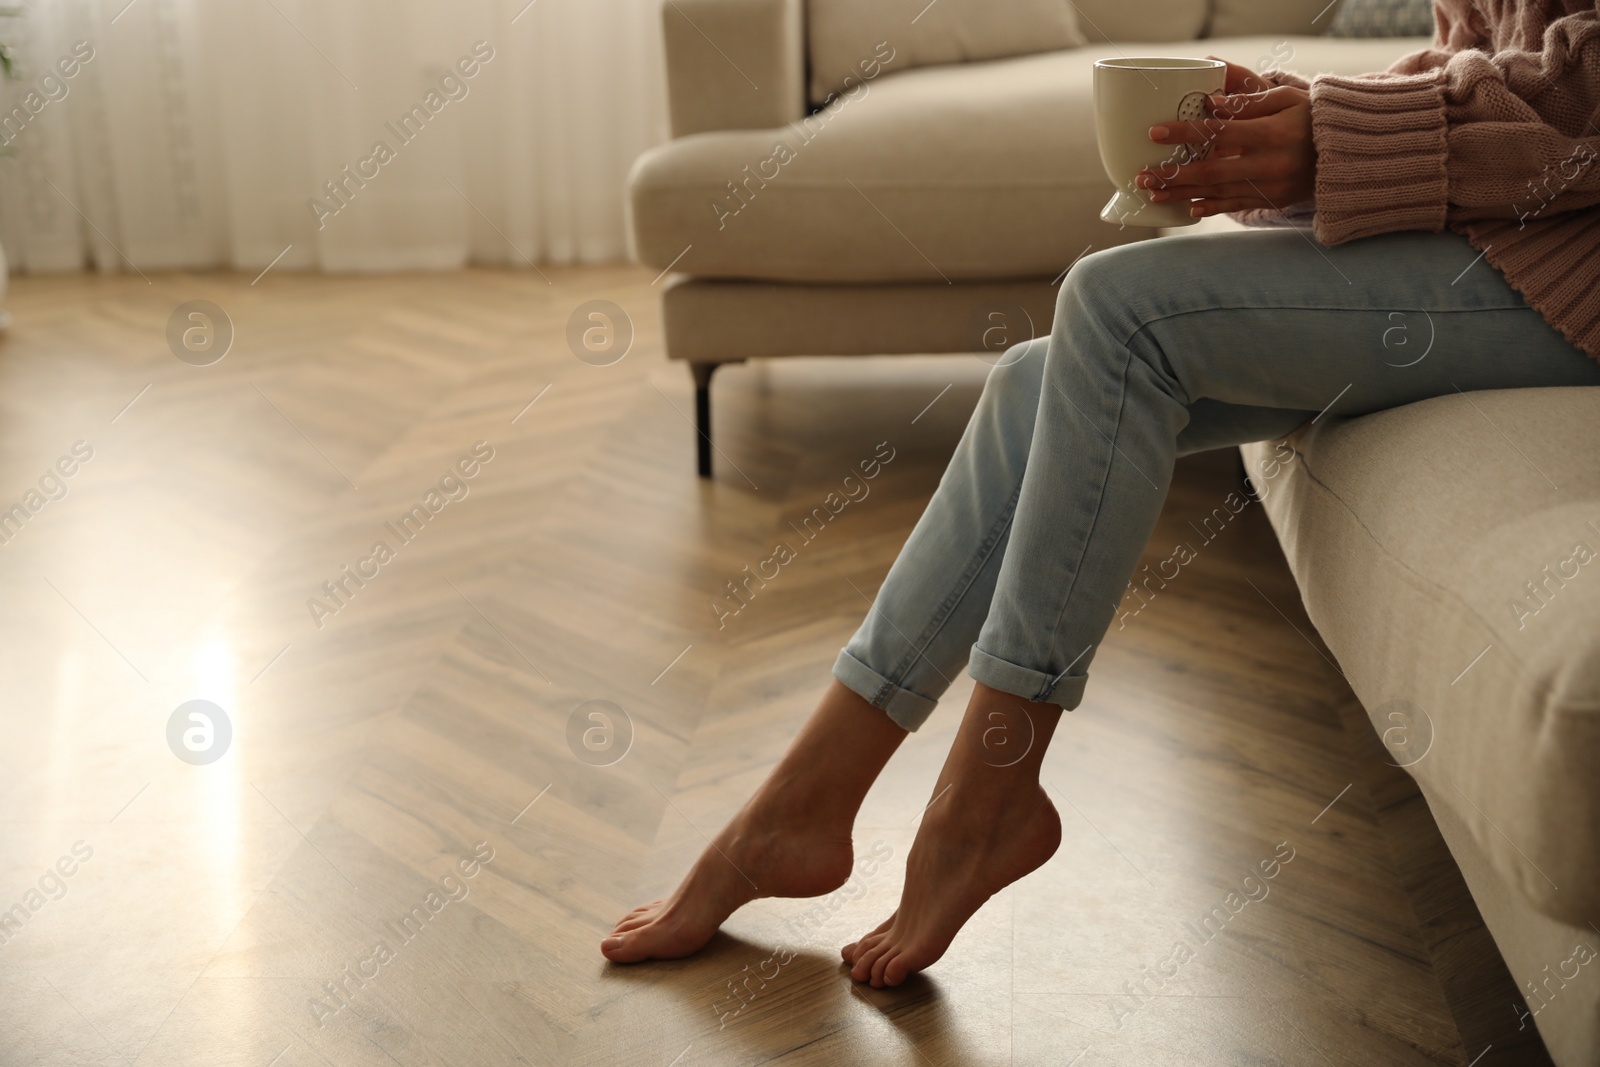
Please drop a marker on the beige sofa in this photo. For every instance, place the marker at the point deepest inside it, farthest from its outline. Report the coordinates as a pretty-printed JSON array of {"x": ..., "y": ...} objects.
[
  {"x": 1437, "y": 548},
  {"x": 929, "y": 197},
  {"x": 957, "y": 182}
]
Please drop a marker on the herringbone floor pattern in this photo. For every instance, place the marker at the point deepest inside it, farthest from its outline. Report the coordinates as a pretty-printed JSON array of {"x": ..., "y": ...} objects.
[{"x": 305, "y": 898}]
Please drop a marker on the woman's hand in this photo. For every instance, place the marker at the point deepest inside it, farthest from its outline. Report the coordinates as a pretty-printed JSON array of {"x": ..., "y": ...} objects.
[
  {"x": 1262, "y": 154},
  {"x": 1242, "y": 79}
]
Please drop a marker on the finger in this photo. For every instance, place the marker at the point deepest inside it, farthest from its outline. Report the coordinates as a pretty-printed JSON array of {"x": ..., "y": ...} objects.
[
  {"x": 1255, "y": 105},
  {"x": 1205, "y": 192},
  {"x": 1204, "y": 172},
  {"x": 1199, "y": 131},
  {"x": 1202, "y": 208},
  {"x": 1218, "y": 132}
]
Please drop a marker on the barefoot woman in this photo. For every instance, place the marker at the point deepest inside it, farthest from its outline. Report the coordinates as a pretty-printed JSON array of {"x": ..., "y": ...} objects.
[{"x": 1485, "y": 143}]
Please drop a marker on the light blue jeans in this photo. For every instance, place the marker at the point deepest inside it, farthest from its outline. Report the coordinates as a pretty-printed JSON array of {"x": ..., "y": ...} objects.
[{"x": 1161, "y": 348}]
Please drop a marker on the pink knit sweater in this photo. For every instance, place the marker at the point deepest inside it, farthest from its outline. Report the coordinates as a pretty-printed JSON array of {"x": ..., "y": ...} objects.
[{"x": 1493, "y": 132}]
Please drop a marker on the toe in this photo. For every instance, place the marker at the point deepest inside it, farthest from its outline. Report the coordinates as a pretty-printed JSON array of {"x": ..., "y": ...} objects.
[
  {"x": 896, "y": 970},
  {"x": 633, "y": 924},
  {"x": 640, "y": 910},
  {"x": 855, "y": 948},
  {"x": 871, "y": 948},
  {"x": 880, "y": 964},
  {"x": 624, "y": 948}
]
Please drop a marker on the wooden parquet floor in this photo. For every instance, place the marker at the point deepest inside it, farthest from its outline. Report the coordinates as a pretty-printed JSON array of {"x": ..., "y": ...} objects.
[{"x": 407, "y": 854}]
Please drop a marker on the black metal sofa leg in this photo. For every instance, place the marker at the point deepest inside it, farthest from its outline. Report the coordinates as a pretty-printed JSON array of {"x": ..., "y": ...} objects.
[{"x": 702, "y": 412}]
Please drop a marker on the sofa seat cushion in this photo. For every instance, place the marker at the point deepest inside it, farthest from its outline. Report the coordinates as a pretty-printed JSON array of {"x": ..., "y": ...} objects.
[
  {"x": 977, "y": 170},
  {"x": 1449, "y": 554}
]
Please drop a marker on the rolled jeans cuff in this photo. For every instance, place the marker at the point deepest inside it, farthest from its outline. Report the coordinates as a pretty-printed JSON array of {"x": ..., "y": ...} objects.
[
  {"x": 1063, "y": 689},
  {"x": 905, "y": 709}
]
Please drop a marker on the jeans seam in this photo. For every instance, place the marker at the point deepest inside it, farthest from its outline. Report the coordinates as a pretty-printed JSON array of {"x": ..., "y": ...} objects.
[
  {"x": 1099, "y": 508},
  {"x": 1051, "y": 684},
  {"x": 1144, "y": 323},
  {"x": 962, "y": 586}
]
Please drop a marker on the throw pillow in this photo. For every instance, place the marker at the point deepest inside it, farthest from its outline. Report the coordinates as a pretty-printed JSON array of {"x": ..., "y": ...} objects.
[
  {"x": 1383, "y": 18},
  {"x": 1259, "y": 18}
]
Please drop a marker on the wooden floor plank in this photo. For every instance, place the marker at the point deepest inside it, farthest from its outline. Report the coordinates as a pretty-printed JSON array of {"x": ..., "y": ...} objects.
[{"x": 231, "y": 912}]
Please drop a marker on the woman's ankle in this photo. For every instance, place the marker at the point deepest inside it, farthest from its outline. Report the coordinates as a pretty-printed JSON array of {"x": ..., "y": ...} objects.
[
  {"x": 836, "y": 756},
  {"x": 1003, "y": 738},
  {"x": 822, "y": 795}
]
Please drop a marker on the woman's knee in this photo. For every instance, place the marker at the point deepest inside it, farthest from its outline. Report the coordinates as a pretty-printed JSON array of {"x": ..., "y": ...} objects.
[
  {"x": 1001, "y": 426},
  {"x": 1105, "y": 304},
  {"x": 1014, "y": 379},
  {"x": 1105, "y": 283}
]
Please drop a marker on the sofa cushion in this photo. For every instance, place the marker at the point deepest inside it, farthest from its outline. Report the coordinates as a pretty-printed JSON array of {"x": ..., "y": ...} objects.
[
  {"x": 711, "y": 43},
  {"x": 1143, "y": 20},
  {"x": 852, "y": 39},
  {"x": 1236, "y": 18},
  {"x": 711, "y": 321},
  {"x": 977, "y": 170},
  {"x": 1449, "y": 554},
  {"x": 1530, "y": 942}
]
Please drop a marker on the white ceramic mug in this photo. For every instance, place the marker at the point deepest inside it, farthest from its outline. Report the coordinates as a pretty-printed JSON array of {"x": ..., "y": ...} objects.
[{"x": 1132, "y": 95}]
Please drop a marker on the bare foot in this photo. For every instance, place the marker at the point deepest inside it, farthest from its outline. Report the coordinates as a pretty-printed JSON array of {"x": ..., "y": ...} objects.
[
  {"x": 989, "y": 824},
  {"x": 791, "y": 840},
  {"x": 964, "y": 854},
  {"x": 761, "y": 853}
]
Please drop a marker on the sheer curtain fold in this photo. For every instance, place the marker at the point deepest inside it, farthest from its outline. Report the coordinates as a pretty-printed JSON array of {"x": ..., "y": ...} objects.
[{"x": 357, "y": 135}]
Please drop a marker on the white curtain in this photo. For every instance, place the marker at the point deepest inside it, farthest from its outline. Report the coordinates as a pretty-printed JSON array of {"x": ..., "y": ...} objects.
[{"x": 200, "y": 131}]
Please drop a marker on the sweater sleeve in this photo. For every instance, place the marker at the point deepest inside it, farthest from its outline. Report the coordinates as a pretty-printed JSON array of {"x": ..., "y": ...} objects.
[{"x": 1460, "y": 134}]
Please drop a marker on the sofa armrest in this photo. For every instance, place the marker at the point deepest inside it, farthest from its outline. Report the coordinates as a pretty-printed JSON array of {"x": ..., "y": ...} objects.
[{"x": 734, "y": 64}]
